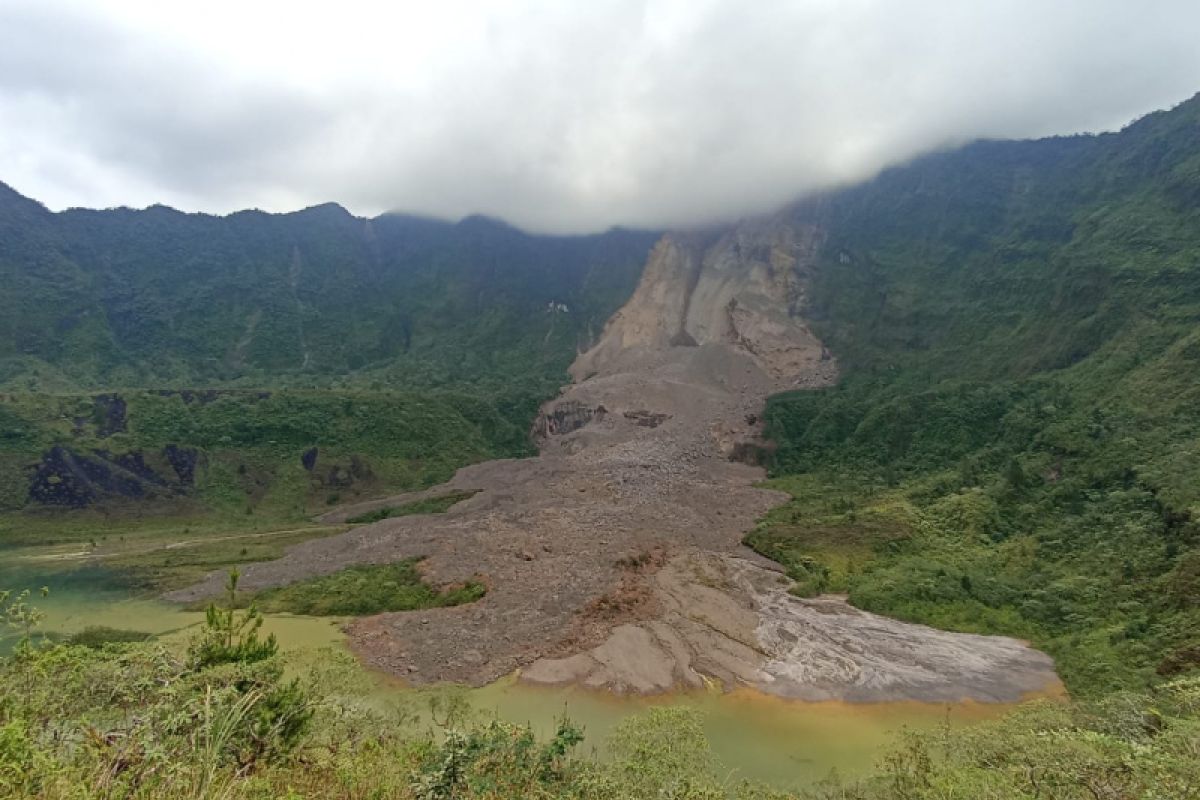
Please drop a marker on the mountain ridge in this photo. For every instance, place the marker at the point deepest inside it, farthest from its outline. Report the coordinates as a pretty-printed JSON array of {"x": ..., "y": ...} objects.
[{"x": 160, "y": 297}]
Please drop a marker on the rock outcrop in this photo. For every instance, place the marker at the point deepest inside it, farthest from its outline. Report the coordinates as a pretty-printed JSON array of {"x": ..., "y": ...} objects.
[
  {"x": 71, "y": 478},
  {"x": 564, "y": 417},
  {"x": 744, "y": 291}
]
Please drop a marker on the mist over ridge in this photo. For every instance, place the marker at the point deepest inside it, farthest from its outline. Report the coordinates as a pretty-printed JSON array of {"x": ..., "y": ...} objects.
[{"x": 649, "y": 114}]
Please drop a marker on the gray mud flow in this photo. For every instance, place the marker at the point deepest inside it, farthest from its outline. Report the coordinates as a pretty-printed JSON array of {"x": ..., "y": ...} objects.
[{"x": 613, "y": 559}]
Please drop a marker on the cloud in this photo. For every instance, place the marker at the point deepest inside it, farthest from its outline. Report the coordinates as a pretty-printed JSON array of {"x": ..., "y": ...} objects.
[{"x": 555, "y": 116}]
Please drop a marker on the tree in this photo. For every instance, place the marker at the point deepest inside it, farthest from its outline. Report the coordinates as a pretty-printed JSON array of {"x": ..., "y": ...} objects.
[{"x": 229, "y": 637}]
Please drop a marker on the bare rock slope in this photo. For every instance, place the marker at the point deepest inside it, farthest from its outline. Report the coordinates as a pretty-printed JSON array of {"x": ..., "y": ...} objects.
[{"x": 613, "y": 559}]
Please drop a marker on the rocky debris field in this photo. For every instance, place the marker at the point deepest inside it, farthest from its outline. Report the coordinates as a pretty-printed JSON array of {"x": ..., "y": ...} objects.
[
  {"x": 724, "y": 618},
  {"x": 614, "y": 558}
]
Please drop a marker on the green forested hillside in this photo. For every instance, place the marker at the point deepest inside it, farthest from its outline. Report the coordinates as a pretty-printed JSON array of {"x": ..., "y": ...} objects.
[
  {"x": 1015, "y": 445},
  {"x": 124, "y": 298},
  {"x": 408, "y": 347},
  {"x": 237, "y": 451}
]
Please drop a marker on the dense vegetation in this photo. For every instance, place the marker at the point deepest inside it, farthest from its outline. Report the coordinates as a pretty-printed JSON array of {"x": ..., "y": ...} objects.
[
  {"x": 271, "y": 452},
  {"x": 364, "y": 590},
  {"x": 317, "y": 298},
  {"x": 1015, "y": 446}
]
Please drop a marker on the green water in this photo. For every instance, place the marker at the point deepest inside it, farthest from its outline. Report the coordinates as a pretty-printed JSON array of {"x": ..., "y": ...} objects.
[{"x": 757, "y": 736}]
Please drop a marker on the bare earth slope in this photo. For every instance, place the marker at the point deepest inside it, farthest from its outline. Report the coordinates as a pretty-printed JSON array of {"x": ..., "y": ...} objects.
[{"x": 614, "y": 560}]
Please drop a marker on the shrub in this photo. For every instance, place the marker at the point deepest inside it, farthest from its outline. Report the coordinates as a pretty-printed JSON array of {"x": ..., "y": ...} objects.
[{"x": 368, "y": 589}]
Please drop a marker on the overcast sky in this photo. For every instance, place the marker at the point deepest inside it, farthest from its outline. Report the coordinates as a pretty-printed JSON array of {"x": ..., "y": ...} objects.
[{"x": 558, "y": 115}]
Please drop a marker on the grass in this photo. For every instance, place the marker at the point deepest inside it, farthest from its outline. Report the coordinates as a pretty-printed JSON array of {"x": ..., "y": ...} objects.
[
  {"x": 365, "y": 590},
  {"x": 181, "y": 563},
  {"x": 429, "y": 505},
  {"x": 825, "y": 536},
  {"x": 150, "y": 552}
]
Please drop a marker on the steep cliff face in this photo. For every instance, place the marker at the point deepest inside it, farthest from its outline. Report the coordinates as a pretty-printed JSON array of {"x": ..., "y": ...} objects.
[{"x": 744, "y": 291}]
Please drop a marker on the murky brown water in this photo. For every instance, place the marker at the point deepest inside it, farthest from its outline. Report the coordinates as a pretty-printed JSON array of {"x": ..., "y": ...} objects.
[{"x": 757, "y": 735}]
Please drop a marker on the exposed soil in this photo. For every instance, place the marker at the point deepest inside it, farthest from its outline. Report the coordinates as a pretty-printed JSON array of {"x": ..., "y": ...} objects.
[
  {"x": 613, "y": 559},
  {"x": 727, "y": 619}
]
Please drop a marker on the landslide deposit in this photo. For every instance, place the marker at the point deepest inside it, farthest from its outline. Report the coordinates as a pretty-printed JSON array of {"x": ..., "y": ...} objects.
[{"x": 613, "y": 559}]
